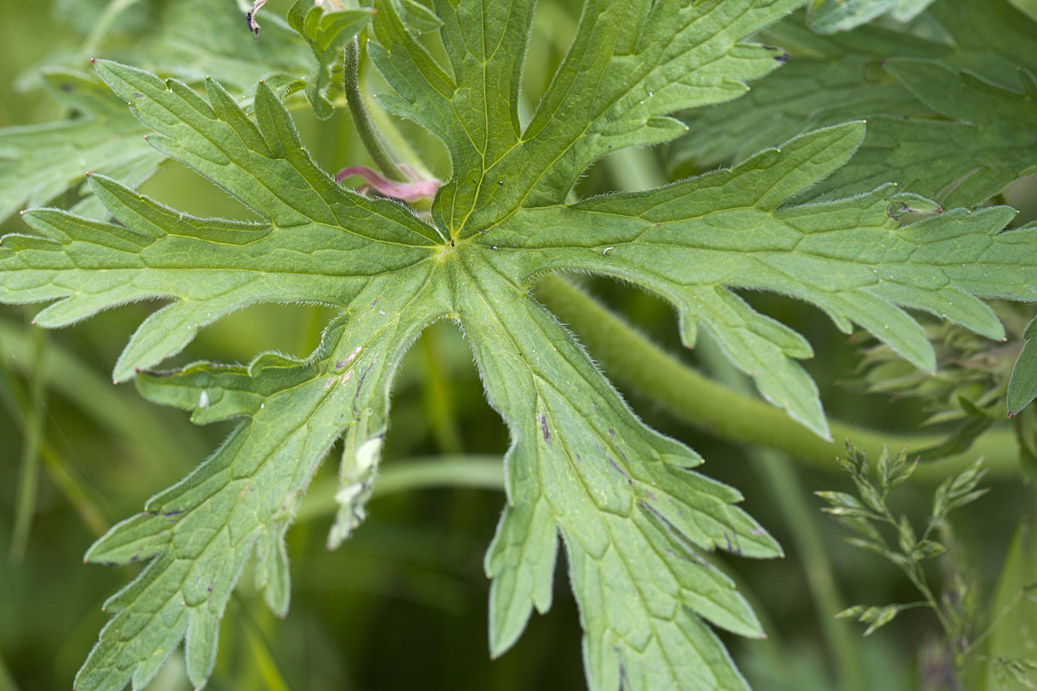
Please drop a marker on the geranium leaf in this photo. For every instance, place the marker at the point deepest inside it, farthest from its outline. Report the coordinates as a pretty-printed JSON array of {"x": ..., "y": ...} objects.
[{"x": 634, "y": 514}]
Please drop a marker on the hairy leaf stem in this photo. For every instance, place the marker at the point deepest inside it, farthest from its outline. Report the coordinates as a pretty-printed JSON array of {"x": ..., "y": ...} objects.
[
  {"x": 365, "y": 128},
  {"x": 634, "y": 362}
]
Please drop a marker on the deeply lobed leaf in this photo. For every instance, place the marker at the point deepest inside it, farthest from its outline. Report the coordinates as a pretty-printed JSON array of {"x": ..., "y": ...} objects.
[
  {"x": 682, "y": 243},
  {"x": 630, "y": 66},
  {"x": 634, "y": 517}
]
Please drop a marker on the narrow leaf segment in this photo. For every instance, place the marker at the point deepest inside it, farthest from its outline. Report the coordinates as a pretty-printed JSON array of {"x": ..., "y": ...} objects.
[{"x": 634, "y": 515}]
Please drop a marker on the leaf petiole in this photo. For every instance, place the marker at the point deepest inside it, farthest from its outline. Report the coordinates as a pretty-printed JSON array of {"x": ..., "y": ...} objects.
[{"x": 365, "y": 128}]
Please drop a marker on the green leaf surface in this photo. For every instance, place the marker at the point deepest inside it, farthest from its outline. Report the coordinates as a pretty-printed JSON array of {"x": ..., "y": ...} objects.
[
  {"x": 327, "y": 33},
  {"x": 948, "y": 119},
  {"x": 680, "y": 242},
  {"x": 830, "y": 16},
  {"x": 633, "y": 514},
  {"x": 1022, "y": 387},
  {"x": 629, "y": 67},
  {"x": 195, "y": 39}
]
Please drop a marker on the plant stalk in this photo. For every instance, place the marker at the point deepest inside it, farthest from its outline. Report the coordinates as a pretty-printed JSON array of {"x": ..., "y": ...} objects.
[
  {"x": 635, "y": 362},
  {"x": 29, "y": 470},
  {"x": 365, "y": 128}
]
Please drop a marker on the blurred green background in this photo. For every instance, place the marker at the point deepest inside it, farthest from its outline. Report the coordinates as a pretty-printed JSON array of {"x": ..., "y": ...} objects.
[{"x": 402, "y": 604}]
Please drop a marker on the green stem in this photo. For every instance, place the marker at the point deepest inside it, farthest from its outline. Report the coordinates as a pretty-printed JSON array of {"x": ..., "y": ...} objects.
[
  {"x": 635, "y": 362},
  {"x": 438, "y": 394},
  {"x": 364, "y": 127},
  {"x": 476, "y": 471},
  {"x": 29, "y": 470},
  {"x": 104, "y": 23},
  {"x": 918, "y": 578},
  {"x": 61, "y": 471}
]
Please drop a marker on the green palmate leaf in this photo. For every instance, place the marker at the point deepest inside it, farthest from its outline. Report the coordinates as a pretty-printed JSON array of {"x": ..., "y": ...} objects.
[
  {"x": 934, "y": 126},
  {"x": 40, "y": 162},
  {"x": 318, "y": 235},
  {"x": 634, "y": 516},
  {"x": 1022, "y": 387},
  {"x": 327, "y": 32},
  {"x": 830, "y": 16}
]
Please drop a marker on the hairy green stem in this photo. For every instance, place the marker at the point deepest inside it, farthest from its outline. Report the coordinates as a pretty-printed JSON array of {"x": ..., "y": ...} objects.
[
  {"x": 364, "y": 127},
  {"x": 634, "y": 362}
]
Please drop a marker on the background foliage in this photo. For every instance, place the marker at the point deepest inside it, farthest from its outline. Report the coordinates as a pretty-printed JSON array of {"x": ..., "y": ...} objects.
[{"x": 402, "y": 604}]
